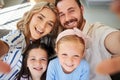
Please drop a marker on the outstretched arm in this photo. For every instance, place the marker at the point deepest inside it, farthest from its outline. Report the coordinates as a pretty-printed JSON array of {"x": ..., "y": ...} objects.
[
  {"x": 4, "y": 67},
  {"x": 3, "y": 48},
  {"x": 112, "y": 44}
]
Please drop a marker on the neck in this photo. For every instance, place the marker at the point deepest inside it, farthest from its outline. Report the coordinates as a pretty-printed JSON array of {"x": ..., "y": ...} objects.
[
  {"x": 36, "y": 78},
  {"x": 83, "y": 24}
]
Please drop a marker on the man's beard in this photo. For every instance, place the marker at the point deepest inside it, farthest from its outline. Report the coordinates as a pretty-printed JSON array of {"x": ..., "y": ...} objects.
[{"x": 78, "y": 22}]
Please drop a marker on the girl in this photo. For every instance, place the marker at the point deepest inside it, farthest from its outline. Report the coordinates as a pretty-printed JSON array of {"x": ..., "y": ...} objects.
[
  {"x": 35, "y": 60},
  {"x": 70, "y": 65},
  {"x": 36, "y": 23}
]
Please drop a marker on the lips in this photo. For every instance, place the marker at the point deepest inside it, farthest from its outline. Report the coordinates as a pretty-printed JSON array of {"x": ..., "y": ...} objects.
[
  {"x": 39, "y": 31},
  {"x": 71, "y": 22},
  {"x": 38, "y": 68}
]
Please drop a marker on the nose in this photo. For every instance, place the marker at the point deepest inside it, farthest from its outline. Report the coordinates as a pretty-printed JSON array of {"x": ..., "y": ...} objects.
[
  {"x": 69, "y": 61},
  {"x": 38, "y": 63},
  {"x": 42, "y": 26},
  {"x": 67, "y": 17}
]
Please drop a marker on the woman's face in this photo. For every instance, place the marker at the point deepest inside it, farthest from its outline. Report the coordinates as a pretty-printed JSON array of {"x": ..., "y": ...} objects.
[
  {"x": 42, "y": 23},
  {"x": 37, "y": 62}
]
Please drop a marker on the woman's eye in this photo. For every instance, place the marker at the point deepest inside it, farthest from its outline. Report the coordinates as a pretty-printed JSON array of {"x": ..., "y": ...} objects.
[
  {"x": 50, "y": 24},
  {"x": 40, "y": 17}
]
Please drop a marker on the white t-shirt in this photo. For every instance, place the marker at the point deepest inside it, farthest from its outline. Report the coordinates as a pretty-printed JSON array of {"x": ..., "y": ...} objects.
[{"x": 97, "y": 51}]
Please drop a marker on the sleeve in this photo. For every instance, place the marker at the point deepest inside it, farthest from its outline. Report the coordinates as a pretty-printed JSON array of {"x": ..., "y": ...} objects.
[
  {"x": 51, "y": 71},
  {"x": 85, "y": 71},
  {"x": 100, "y": 32},
  {"x": 15, "y": 39}
]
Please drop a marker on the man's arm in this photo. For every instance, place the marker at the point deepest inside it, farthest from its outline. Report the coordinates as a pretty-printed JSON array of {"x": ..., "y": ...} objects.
[
  {"x": 4, "y": 48},
  {"x": 112, "y": 43}
]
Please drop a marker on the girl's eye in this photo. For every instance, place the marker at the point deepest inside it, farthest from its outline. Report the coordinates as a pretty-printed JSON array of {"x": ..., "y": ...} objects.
[
  {"x": 64, "y": 55},
  {"x": 32, "y": 59},
  {"x": 43, "y": 59}
]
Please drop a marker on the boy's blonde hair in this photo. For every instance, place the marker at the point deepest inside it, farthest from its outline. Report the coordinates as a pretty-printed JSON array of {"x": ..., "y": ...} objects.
[{"x": 23, "y": 24}]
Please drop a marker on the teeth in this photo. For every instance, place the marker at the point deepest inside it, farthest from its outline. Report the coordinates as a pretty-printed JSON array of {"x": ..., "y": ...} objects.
[
  {"x": 38, "y": 69},
  {"x": 39, "y": 31}
]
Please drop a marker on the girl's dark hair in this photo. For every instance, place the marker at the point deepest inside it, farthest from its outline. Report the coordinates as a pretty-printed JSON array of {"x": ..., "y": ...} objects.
[
  {"x": 45, "y": 45},
  {"x": 77, "y": 1}
]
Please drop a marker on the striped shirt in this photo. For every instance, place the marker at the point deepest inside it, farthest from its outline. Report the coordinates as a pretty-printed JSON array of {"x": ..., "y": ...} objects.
[{"x": 16, "y": 41}]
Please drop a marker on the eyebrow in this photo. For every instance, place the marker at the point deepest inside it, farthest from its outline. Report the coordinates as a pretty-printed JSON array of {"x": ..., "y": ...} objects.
[
  {"x": 42, "y": 15},
  {"x": 67, "y": 9},
  {"x": 45, "y": 17},
  {"x": 70, "y": 8}
]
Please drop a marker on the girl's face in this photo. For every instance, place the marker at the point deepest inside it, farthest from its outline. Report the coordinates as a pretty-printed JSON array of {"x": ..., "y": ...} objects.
[
  {"x": 37, "y": 62},
  {"x": 42, "y": 23},
  {"x": 70, "y": 54}
]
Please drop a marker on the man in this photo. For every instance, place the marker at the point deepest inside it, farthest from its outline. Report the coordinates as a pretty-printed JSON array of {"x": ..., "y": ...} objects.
[{"x": 105, "y": 41}]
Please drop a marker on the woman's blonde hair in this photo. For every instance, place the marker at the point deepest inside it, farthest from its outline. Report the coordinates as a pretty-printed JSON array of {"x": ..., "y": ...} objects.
[{"x": 23, "y": 24}]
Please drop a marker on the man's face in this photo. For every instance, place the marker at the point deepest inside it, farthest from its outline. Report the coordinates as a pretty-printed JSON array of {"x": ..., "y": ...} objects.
[{"x": 70, "y": 14}]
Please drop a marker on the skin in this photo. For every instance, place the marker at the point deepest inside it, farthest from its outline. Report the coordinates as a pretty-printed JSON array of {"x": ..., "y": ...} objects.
[
  {"x": 37, "y": 62},
  {"x": 115, "y": 7},
  {"x": 40, "y": 25},
  {"x": 71, "y": 15},
  {"x": 111, "y": 66},
  {"x": 70, "y": 55}
]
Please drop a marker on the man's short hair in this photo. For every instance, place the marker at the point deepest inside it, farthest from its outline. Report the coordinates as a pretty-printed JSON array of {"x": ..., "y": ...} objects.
[{"x": 77, "y": 1}]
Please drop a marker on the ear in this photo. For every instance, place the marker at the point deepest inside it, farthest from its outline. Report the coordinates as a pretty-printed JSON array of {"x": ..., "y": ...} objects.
[
  {"x": 56, "y": 50},
  {"x": 82, "y": 9}
]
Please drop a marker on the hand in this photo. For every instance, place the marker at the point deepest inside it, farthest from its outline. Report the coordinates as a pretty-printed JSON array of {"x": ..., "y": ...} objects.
[
  {"x": 109, "y": 66},
  {"x": 4, "y": 67}
]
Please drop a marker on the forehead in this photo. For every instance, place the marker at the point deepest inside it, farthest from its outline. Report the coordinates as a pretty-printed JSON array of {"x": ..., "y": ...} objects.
[
  {"x": 37, "y": 52},
  {"x": 66, "y": 4},
  {"x": 48, "y": 13}
]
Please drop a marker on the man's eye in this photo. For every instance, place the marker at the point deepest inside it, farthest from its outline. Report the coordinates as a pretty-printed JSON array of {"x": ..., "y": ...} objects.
[
  {"x": 60, "y": 15},
  {"x": 71, "y": 11}
]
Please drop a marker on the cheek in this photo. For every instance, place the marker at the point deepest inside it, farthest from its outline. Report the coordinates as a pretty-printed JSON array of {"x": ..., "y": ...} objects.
[
  {"x": 77, "y": 62},
  {"x": 45, "y": 65}
]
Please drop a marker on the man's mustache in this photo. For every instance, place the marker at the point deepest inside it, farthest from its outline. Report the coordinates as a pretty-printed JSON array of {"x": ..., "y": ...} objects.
[{"x": 71, "y": 20}]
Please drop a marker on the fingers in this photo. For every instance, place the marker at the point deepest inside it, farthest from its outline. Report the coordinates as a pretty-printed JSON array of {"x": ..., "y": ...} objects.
[
  {"x": 109, "y": 66},
  {"x": 4, "y": 67}
]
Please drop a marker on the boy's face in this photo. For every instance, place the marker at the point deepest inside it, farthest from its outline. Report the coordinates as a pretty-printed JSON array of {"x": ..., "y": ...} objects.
[
  {"x": 70, "y": 55},
  {"x": 37, "y": 62}
]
